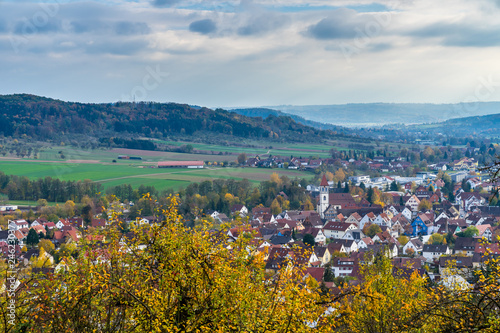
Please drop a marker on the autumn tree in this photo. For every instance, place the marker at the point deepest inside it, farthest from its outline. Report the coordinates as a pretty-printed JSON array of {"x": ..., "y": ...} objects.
[
  {"x": 371, "y": 230},
  {"x": 47, "y": 245},
  {"x": 242, "y": 158},
  {"x": 435, "y": 239},
  {"x": 167, "y": 278},
  {"x": 424, "y": 205},
  {"x": 384, "y": 301}
]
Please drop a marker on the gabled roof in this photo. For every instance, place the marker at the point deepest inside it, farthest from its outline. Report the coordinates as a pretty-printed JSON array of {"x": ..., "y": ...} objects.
[
  {"x": 337, "y": 226},
  {"x": 440, "y": 248}
]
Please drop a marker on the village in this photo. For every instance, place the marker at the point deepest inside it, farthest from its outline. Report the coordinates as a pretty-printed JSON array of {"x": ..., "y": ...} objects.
[{"x": 421, "y": 230}]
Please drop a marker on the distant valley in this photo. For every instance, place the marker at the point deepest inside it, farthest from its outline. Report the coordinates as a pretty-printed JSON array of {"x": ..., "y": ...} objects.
[{"x": 376, "y": 114}]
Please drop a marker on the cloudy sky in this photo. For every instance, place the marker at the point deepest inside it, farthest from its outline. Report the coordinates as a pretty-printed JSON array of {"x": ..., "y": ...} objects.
[{"x": 252, "y": 52}]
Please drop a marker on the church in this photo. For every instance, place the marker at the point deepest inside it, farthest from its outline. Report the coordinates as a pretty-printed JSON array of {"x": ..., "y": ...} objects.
[{"x": 330, "y": 203}]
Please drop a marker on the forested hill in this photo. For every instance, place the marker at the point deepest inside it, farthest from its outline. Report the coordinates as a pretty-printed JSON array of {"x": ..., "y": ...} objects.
[
  {"x": 48, "y": 119},
  {"x": 484, "y": 126}
]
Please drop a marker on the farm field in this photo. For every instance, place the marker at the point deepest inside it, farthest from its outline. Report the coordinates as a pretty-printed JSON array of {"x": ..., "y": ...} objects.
[
  {"x": 112, "y": 174},
  {"x": 304, "y": 150},
  {"x": 26, "y": 203}
]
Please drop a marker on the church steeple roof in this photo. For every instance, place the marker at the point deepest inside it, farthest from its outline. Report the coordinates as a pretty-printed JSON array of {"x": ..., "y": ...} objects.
[{"x": 324, "y": 182}]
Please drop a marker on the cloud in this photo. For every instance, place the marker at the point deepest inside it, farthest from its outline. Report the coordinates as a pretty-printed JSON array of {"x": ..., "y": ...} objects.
[
  {"x": 25, "y": 27},
  {"x": 131, "y": 28},
  {"x": 263, "y": 23},
  {"x": 459, "y": 34},
  {"x": 340, "y": 24},
  {"x": 164, "y": 3},
  {"x": 115, "y": 47},
  {"x": 204, "y": 27}
]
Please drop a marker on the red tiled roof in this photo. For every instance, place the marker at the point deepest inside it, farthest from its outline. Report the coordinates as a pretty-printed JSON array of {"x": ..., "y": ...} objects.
[{"x": 324, "y": 182}]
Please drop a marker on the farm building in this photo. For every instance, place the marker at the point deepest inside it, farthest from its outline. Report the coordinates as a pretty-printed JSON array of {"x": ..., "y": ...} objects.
[
  {"x": 126, "y": 157},
  {"x": 181, "y": 164}
]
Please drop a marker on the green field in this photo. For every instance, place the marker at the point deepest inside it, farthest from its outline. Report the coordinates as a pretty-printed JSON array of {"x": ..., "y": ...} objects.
[
  {"x": 112, "y": 174},
  {"x": 28, "y": 203}
]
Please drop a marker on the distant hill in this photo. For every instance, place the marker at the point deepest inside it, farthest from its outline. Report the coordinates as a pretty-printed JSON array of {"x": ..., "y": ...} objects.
[
  {"x": 480, "y": 126},
  {"x": 375, "y": 114},
  {"x": 264, "y": 113},
  {"x": 49, "y": 119}
]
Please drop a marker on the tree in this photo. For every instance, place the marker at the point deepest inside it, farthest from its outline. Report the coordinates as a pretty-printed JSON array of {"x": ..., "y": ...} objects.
[
  {"x": 183, "y": 280},
  {"x": 369, "y": 195},
  {"x": 41, "y": 203},
  {"x": 386, "y": 301},
  {"x": 32, "y": 238},
  {"x": 471, "y": 231},
  {"x": 436, "y": 239},
  {"x": 424, "y": 205},
  {"x": 309, "y": 240},
  {"x": 242, "y": 158},
  {"x": 308, "y": 205},
  {"x": 394, "y": 186},
  {"x": 403, "y": 240},
  {"x": 275, "y": 207},
  {"x": 371, "y": 230},
  {"x": 47, "y": 245}
]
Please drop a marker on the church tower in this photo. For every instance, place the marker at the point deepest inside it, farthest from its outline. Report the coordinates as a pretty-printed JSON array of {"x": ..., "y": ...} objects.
[{"x": 324, "y": 197}]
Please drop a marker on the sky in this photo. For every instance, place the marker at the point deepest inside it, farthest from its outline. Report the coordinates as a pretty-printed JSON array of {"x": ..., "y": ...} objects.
[{"x": 252, "y": 53}]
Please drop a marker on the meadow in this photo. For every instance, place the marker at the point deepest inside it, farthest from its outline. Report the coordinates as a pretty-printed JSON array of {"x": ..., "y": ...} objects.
[{"x": 136, "y": 174}]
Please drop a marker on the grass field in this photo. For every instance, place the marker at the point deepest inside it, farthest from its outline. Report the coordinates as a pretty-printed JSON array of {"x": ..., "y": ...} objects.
[
  {"x": 112, "y": 174},
  {"x": 29, "y": 203}
]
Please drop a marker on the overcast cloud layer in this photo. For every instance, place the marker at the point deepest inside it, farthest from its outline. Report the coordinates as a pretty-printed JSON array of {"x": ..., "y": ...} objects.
[{"x": 251, "y": 53}]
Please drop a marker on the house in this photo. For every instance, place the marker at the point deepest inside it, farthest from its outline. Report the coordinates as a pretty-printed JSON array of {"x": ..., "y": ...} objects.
[
  {"x": 383, "y": 220},
  {"x": 315, "y": 273},
  {"x": 354, "y": 218},
  {"x": 470, "y": 199},
  {"x": 98, "y": 223},
  {"x": 39, "y": 229},
  {"x": 407, "y": 213},
  {"x": 50, "y": 225},
  {"x": 413, "y": 245},
  {"x": 421, "y": 226},
  {"x": 35, "y": 223},
  {"x": 259, "y": 210},
  {"x": 335, "y": 248},
  {"x": 18, "y": 224},
  {"x": 465, "y": 245},
  {"x": 485, "y": 231},
  {"x": 365, "y": 242},
  {"x": 213, "y": 214},
  {"x": 323, "y": 254},
  {"x": 388, "y": 250},
  {"x": 458, "y": 264},
  {"x": 354, "y": 234},
  {"x": 413, "y": 203},
  {"x": 281, "y": 238},
  {"x": 433, "y": 251},
  {"x": 239, "y": 209},
  {"x": 337, "y": 229},
  {"x": 181, "y": 164},
  {"x": 368, "y": 218},
  {"x": 343, "y": 266},
  {"x": 319, "y": 236},
  {"x": 61, "y": 223},
  {"x": 349, "y": 244}
]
